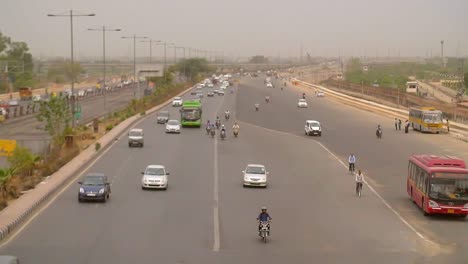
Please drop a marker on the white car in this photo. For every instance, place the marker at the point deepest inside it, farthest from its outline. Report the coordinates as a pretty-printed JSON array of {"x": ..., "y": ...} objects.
[
  {"x": 81, "y": 93},
  {"x": 135, "y": 137},
  {"x": 173, "y": 126},
  {"x": 269, "y": 85},
  {"x": 302, "y": 103},
  {"x": 320, "y": 94},
  {"x": 221, "y": 92},
  {"x": 255, "y": 175},
  {"x": 210, "y": 85},
  {"x": 215, "y": 91},
  {"x": 177, "y": 101},
  {"x": 154, "y": 177},
  {"x": 313, "y": 127}
]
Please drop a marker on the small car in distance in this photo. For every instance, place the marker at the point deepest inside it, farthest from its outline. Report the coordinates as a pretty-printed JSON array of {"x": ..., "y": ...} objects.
[
  {"x": 162, "y": 117},
  {"x": 313, "y": 127},
  {"x": 154, "y": 177},
  {"x": 319, "y": 94},
  {"x": 135, "y": 137},
  {"x": 220, "y": 92},
  {"x": 210, "y": 94},
  {"x": 255, "y": 175},
  {"x": 95, "y": 187},
  {"x": 177, "y": 101},
  {"x": 173, "y": 126},
  {"x": 302, "y": 103},
  {"x": 269, "y": 85}
]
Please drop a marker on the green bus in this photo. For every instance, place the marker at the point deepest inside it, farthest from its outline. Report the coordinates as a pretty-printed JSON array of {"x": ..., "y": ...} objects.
[{"x": 191, "y": 113}]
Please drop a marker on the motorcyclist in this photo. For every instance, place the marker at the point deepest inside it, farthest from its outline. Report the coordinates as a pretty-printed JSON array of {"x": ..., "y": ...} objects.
[
  {"x": 303, "y": 95},
  {"x": 223, "y": 130},
  {"x": 263, "y": 217},
  {"x": 257, "y": 106},
  {"x": 379, "y": 131},
  {"x": 235, "y": 129},
  {"x": 208, "y": 126},
  {"x": 267, "y": 99},
  {"x": 227, "y": 114},
  {"x": 218, "y": 122}
]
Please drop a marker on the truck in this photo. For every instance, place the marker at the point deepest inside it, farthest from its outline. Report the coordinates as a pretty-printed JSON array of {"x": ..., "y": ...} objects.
[
  {"x": 25, "y": 93},
  {"x": 191, "y": 113}
]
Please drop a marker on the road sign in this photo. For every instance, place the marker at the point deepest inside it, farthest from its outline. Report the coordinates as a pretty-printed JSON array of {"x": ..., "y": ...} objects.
[{"x": 7, "y": 146}]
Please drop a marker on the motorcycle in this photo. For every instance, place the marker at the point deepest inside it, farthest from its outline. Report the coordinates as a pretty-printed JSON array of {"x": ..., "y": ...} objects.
[
  {"x": 227, "y": 116},
  {"x": 218, "y": 123},
  {"x": 267, "y": 99},
  {"x": 208, "y": 130},
  {"x": 378, "y": 133},
  {"x": 303, "y": 96},
  {"x": 223, "y": 134},
  {"x": 235, "y": 132},
  {"x": 213, "y": 133},
  {"x": 264, "y": 230},
  {"x": 256, "y": 107}
]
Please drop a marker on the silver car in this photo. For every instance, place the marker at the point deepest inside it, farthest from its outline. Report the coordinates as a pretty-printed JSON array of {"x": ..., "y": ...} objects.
[
  {"x": 173, "y": 126},
  {"x": 154, "y": 177},
  {"x": 135, "y": 137},
  {"x": 255, "y": 175},
  {"x": 162, "y": 117}
]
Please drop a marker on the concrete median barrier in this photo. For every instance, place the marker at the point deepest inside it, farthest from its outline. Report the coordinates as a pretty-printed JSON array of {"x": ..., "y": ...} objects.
[{"x": 19, "y": 210}]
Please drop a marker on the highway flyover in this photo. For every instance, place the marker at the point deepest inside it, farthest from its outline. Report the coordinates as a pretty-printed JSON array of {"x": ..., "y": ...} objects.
[{"x": 206, "y": 216}]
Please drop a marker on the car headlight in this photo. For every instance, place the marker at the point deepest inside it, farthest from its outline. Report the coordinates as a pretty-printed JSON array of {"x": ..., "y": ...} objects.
[
  {"x": 102, "y": 191},
  {"x": 81, "y": 190},
  {"x": 246, "y": 178},
  {"x": 433, "y": 204}
]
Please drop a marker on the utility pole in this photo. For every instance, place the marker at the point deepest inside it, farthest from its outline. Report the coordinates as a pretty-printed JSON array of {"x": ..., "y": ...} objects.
[
  {"x": 104, "y": 30},
  {"x": 134, "y": 37},
  {"x": 71, "y": 15},
  {"x": 442, "y": 52}
]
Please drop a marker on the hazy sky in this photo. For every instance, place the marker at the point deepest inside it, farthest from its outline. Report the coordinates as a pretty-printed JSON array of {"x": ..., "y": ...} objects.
[{"x": 245, "y": 27}]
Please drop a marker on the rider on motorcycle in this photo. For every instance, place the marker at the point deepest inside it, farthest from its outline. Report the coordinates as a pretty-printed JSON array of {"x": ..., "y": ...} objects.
[
  {"x": 263, "y": 217},
  {"x": 267, "y": 99},
  {"x": 235, "y": 127},
  {"x": 303, "y": 95},
  {"x": 257, "y": 106},
  {"x": 227, "y": 114}
]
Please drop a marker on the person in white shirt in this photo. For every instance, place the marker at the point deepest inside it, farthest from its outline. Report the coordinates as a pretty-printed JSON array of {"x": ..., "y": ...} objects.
[
  {"x": 351, "y": 162},
  {"x": 359, "y": 178}
]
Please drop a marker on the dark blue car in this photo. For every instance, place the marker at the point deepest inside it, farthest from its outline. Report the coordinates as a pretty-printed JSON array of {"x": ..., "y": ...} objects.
[{"x": 94, "y": 187}]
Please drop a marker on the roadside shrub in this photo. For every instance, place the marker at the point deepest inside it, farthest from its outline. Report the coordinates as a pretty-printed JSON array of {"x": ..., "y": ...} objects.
[
  {"x": 23, "y": 161},
  {"x": 97, "y": 146},
  {"x": 109, "y": 127}
]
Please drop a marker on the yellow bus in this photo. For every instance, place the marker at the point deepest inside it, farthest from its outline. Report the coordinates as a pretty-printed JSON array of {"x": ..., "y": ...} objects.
[{"x": 426, "y": 119}]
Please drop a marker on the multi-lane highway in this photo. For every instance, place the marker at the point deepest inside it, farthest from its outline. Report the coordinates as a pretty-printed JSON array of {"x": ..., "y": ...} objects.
[{"x": 206, "y": 216}]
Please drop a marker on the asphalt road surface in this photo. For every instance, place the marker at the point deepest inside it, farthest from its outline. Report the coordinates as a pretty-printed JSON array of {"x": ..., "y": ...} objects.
[{"x": 206, "y": 216}]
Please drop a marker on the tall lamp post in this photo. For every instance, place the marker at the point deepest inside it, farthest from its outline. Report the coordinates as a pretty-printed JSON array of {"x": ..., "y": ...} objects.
[
  {"x": 151, "y": 42},
  {"x": 71, "y": 16},
  {"x": 135, "y": 37},
  {"x": 104, "y": 30}
]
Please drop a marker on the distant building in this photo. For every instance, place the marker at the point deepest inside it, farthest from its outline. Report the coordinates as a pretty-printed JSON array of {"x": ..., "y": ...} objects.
[{"x": 412, "y": 87}]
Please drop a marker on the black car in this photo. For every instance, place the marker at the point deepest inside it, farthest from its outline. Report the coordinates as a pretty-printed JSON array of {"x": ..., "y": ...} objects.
[{"x": 94, "y": 187}]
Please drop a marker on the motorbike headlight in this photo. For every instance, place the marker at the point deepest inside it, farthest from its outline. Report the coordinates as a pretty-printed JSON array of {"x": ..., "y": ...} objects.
[
  {"x": 433, "y": 204},
  {"x": 81, "y": 190},
  {"x": 102, "y": 191}
]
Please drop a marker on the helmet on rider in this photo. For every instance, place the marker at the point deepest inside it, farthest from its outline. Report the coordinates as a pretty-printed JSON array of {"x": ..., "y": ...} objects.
[{"x": 264, "y": 208}]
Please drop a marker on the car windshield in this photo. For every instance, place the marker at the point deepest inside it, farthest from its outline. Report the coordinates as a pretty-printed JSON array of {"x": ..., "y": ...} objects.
[
  {"x": 173, "y": 122},
  {"x": 302, "y": 100},
  {"x": 255, "y": 170},
  {"x": 449, "y": 186},
  {"x": 93, "y": 180},
  {"x": 314, "y": 124},
  {"x": 135, "y": 134},
  {"x": 155, "y": 171},
  {"x": 163, "y": 114},
  {"x": 191, "y": 114},
  {"x": 432, "y": 118},
  {"x": 177, "y": 98}
]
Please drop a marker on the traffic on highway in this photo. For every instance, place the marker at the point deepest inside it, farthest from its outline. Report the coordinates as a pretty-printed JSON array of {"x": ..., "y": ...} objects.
[{"x": 214, "y": 181}]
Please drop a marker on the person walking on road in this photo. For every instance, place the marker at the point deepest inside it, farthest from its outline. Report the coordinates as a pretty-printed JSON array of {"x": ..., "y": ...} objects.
[
  {"x": 448, "y": 125},
  {"x": 399, "y": 124},
  {"x": 351, "y": 162},
  {"x": 406, "y": 126},
  {"x": 396, "y": 123}
]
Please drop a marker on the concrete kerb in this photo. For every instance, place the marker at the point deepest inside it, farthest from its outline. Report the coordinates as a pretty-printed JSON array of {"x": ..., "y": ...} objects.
[
  {"x": 20, "y": 209},
  {"x": 460, "y": 132}
]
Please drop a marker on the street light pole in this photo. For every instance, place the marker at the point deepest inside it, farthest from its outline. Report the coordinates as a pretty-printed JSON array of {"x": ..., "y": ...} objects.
[
  {"x": 71, "y": 15},
  {"x": 151, "y": 42},
  {"x": 134, "y": 37},
  {"x": 104, "y": 30}
]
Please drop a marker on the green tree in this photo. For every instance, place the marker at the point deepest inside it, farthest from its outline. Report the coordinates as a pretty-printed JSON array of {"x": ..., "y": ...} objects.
[
  {"x": 5, "y": 176},
  {"x": 259, "y": 59},
  {"x": 23, "y": 160},
  {"x": 465, "y": 79},
  {"x": 193, "y": 68},
  {"x": 57, "y": 115}
]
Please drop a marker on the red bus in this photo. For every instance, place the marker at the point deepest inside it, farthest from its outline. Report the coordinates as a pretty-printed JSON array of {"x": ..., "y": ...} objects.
[{"x": 438, "y": 184}]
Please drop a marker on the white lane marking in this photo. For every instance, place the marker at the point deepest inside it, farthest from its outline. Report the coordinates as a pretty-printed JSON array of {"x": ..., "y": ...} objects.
[
  {"x": 216, "y": 220},
  {"x": 216, "y": 243},
  {"x": 72, "y": 181},
  {"x": 399, "y": 216}
]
